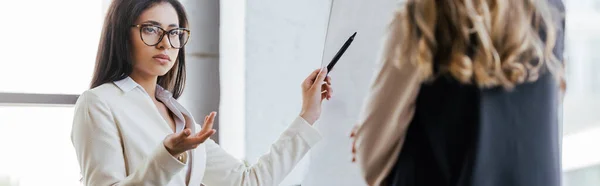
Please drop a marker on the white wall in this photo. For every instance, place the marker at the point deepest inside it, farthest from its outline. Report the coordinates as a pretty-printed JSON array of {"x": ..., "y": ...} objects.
[
  {"x": 232, "y": 77},
  {"x": 284, "y": 42},
  {"x": 268, "y": 48},
  {"x": 331, "y": 158},
  {"x": 580, "y": 157}
]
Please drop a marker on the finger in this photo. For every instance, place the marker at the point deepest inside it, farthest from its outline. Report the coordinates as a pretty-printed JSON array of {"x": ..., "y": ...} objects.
[
  {"x": 178, "y": 138},
  {"x": 208, "y": 134},
  {"x": 327, "y": 88},
  {"x": 198, "y": 139},
  {"x": 202, "y": 137},
  {"x": 311, "y": 77},
  {"x": 205, "y": 118},
  {"x": 328, "y": 80},
  {"x": 321, "y": 77},
  {"x": 326, "y": 91},
  {"x": 326, "y": 95},
  {"x": 329, "y": 91},
  {"x": 208, "y": 123},
  {"x": 182, "y": 135}
]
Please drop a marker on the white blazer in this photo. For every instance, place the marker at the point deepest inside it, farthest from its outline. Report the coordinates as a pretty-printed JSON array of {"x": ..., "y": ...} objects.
[{"x": 118, "y": 136}]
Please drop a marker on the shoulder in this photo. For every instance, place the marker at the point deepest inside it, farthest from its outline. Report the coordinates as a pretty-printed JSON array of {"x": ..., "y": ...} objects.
[{"x": 99, "y": 95}]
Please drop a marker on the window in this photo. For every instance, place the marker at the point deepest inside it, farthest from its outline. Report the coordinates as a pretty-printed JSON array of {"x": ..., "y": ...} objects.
[
  {"x": 594, "y": 65},
  {"x": 581, "y": 124},
  {"x": 46, "y": 45},
  {"x": 47, "y": 54},
  {"x": 583, "y": 177},
  {"x": 37, "y": 146}
]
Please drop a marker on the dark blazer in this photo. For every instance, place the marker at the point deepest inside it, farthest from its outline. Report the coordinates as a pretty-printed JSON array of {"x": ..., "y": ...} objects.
[{"x": 464, "y": 135}]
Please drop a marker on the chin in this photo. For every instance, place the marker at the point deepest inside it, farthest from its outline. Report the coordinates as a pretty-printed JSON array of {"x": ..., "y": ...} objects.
[{"x": 161, "y": 71}]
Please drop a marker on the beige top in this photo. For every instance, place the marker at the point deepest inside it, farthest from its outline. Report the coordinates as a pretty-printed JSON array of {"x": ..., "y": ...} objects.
[
  {"x": 118, "y": 137},
  {"x": 387, "y": 112}
]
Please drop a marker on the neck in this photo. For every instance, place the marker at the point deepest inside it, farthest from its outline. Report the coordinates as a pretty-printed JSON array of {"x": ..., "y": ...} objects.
[{"x": 147, "y": 82}]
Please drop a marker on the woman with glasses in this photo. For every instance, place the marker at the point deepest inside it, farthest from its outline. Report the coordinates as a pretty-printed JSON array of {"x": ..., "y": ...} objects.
[{"x": 129, "y": 128}]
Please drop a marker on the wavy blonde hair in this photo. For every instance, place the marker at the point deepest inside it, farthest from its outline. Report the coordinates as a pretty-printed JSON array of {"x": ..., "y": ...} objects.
[{"x": 487, "y": 42}]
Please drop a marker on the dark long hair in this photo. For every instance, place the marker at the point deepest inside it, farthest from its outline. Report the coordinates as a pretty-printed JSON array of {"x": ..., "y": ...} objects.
[{"x": 114, "y": 61}]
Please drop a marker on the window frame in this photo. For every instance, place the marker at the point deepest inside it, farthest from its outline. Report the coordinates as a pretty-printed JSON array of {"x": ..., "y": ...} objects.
[{"x": 33, "y": 99}]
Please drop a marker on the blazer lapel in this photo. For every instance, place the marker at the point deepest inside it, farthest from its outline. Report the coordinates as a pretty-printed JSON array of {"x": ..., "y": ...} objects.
[{"x": 198, "y": 155}]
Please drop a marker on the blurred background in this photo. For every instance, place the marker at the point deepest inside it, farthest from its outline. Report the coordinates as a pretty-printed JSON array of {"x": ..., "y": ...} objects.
[{"x": 246, "y": 60}]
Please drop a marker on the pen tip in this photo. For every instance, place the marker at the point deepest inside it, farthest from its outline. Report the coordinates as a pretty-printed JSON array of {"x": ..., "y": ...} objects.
[{"x": 353, "y": 34}]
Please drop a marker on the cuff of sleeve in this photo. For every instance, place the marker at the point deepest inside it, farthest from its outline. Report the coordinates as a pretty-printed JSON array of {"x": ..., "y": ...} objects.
[
  {"x": 306, "y": 131},
  {"x": 166, "y": 160}
]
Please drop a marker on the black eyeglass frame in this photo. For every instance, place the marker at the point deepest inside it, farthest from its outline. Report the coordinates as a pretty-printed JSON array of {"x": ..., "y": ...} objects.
[{"x": 165, "y": 32}]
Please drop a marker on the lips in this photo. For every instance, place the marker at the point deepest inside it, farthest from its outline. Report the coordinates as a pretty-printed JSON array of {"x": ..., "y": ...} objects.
[{"x": 162, "y": 58}]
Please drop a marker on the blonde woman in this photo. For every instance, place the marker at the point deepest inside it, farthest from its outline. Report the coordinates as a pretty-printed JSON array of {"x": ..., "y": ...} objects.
[{"x": 466, "y": 94}]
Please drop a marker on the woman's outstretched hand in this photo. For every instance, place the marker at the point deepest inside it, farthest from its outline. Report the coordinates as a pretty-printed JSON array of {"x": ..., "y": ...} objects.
[
  {"x": 178, "y": 143},
  {"x": 315, "y": 88}
]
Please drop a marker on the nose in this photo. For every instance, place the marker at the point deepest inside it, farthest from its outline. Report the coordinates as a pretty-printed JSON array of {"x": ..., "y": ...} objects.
[{"x": 164, "y": 43}]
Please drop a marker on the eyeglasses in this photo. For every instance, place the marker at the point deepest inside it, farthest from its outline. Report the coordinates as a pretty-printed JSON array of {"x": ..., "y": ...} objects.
[{"x": 152, "y": 35}]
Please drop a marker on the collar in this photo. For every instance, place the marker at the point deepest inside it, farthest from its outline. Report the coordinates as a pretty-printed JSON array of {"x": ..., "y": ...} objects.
[{"x": 127, "y": 84}]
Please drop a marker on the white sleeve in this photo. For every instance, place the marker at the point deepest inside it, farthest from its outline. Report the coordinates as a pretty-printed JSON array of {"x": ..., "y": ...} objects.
[
  {"x": 271, "y": 168},
  {"x": 97, "y": 142}
]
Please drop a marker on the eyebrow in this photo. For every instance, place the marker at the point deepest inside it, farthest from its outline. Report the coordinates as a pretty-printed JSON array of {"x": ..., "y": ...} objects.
[{"x": 156, "y": 23}]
